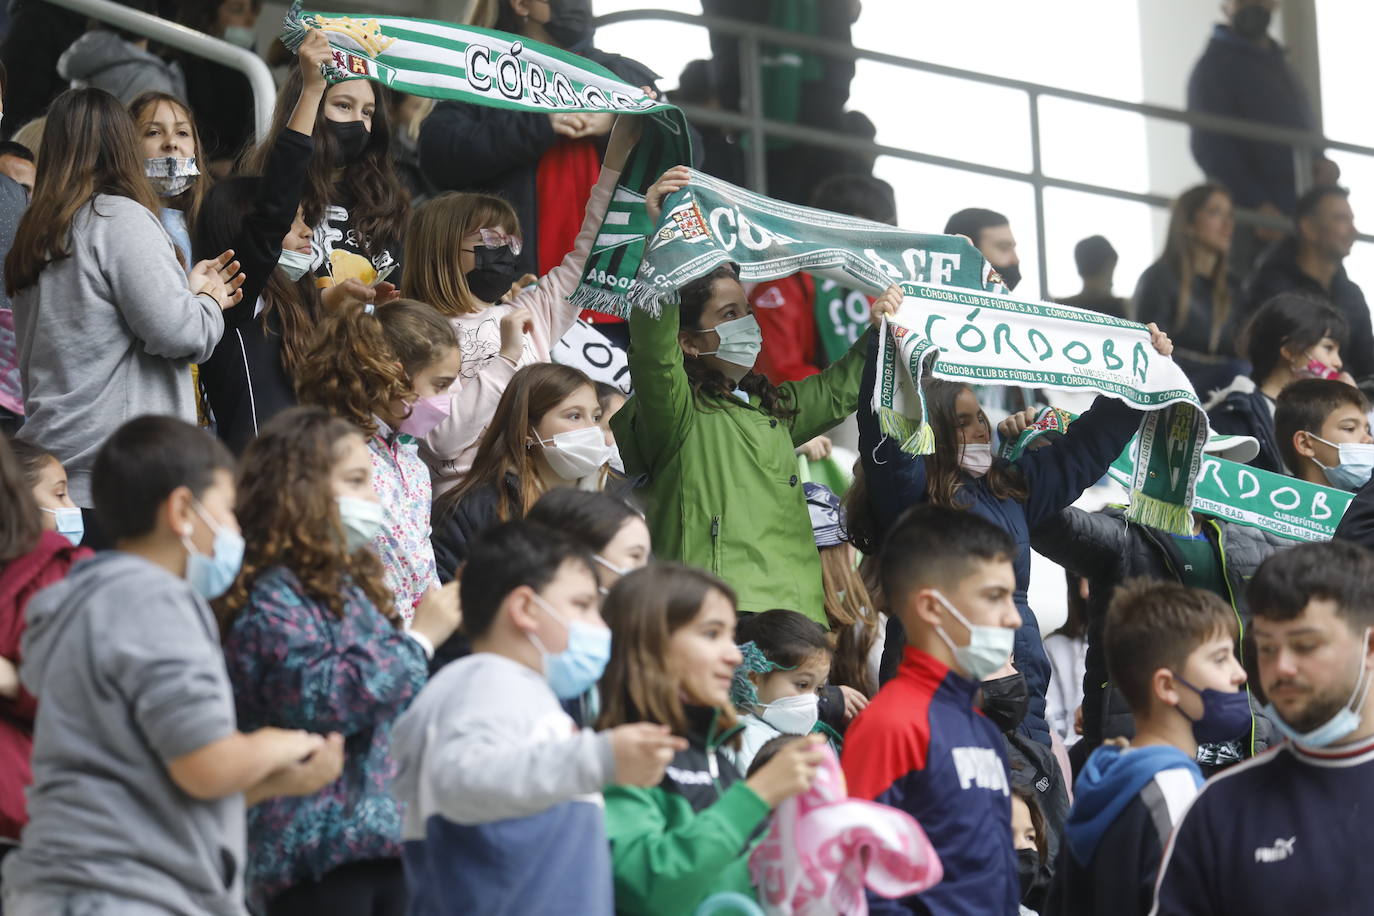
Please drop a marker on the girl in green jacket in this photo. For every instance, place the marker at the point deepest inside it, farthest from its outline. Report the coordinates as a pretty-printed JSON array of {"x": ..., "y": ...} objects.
[
  {"x": 673, "y": 658},
  {"x": 715, "y": 439}
]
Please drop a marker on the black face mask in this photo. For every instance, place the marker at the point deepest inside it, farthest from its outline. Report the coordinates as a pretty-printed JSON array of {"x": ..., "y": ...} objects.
[
  {"x": 1005, "y": 701},
  {"x": 1011, "y": 275},
  {"x": 493, "y": 272},
  {"x": 350, "y": 139},
  {"x": 570, "y": 23},
  {"x": 1032, "y": 875},
  {"x": 1251, "y": 21}
]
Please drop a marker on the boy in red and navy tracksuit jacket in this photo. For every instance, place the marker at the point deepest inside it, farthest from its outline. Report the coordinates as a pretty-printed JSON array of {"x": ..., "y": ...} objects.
[{"x": 922, "y": 745}]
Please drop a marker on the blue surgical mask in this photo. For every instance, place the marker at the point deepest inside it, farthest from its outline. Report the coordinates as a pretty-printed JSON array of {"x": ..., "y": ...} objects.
[
  {"x": 988, "y": 649},
  {"x": 70, "y": 524},
  {"x": 294, "y": 264},
  {"x": 1224, "y": 715},
  {"x": 1355, "y": 467},
  {"x": 1345, "y": 721},
  {"x": 212, "y": 575},
  {"x": 741, "y": 340},
  {"x": 363, "y": 520},
  {"x": 582, "y": 663}
]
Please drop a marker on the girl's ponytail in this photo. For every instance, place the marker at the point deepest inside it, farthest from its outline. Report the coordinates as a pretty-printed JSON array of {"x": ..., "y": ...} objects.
[{"x": 350, "y": 368}]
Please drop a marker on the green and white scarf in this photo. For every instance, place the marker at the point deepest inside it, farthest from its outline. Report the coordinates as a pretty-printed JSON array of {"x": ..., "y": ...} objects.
[
  {"x": 442, "y": 60},
  {"x": 711, "y": 222},
  {"x": 1286, "y": 506},
  {"x": 979, "y": 339}
]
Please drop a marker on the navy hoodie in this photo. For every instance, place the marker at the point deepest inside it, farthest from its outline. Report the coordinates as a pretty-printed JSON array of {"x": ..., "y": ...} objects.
[{"x": 1126, "y": 804}]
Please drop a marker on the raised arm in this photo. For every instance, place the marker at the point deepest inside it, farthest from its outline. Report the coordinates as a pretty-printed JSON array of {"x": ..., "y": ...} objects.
[{"x": 659, "y": 415}]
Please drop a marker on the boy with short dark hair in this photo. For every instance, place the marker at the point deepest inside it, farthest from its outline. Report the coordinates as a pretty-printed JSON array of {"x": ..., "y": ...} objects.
[
  {"x": 1313, "y": 419},
  {"x": 1170, "y": 652},
  {"x": 922, "y": 745},
  {"x": 139, "y": 772},
  {"x": 504, "y": 811}
]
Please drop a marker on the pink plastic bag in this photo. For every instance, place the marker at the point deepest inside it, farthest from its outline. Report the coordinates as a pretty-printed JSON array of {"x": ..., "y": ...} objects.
[{"x": 824, "y": 847}]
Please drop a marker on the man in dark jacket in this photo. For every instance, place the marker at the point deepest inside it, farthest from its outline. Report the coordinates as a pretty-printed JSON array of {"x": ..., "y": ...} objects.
[
  {"x": 1357, "y": 525},
  {"x": 1107, "y": 550},
  {"x": 1310, "y": 261},
  {"x": 1243, "y": 74}
]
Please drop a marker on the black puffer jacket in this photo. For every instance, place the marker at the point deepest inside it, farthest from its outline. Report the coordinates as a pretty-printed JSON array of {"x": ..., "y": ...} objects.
[{"x": 1107, "y": 550}]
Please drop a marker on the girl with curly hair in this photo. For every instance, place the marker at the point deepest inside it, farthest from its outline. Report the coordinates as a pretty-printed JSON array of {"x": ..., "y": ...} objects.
[
  {"x": 387, "y": 369},
  {"x": 312, "y": 641},
  {"x": 703, "y": 422}
]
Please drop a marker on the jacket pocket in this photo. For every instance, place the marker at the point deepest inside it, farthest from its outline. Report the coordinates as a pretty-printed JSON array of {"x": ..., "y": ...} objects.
[{"x": 715, "y": 544}]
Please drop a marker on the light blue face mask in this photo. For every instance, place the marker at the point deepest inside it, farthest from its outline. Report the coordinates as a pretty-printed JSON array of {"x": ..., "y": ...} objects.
[
  {"x": 1345, "y": 721},
  {"x": 240, "y": 35},
  {"x": 70, "y": 524},
  {"x": 212, "y": 575},
  {"x": 582, "y": 663},
  {"x": 294, "y": 264},
  {"x": 988, "y": 649},
  {"x": 1356, "y": 464},
  {"x": 741, "y": 340},
  {"x": 363, "y": 520}
]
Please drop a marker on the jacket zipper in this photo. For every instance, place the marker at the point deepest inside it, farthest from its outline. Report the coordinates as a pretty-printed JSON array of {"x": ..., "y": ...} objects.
[
  {"x": 715, "y": 544},
  {"x": 1240, "y": 624}
]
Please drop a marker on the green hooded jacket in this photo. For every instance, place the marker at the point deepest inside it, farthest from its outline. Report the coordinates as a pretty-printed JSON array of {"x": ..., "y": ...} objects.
[
  {"x": 687, "y": 838},
  {"x": 723, "y": 489}
]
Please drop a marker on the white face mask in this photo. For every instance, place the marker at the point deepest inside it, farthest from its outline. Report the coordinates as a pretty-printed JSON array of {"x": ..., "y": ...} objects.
[
  {"x": 741, "y": 340},
  {"x": 294, "y": 264},
  {"x": 976, "y": 458},
  {"x": 1355, "y": 465},
  {"x": 170, "y": 175},
  {"x": 793, "y": 715},
  {"x": 988, "y": 649},
  {"x": 577, "y": 453}
]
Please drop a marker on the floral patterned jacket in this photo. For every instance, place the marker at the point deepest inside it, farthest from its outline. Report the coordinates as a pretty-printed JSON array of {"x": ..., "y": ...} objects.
[
  {"x": 293, "y": 664},
  {"x": 402, "y": 482}
]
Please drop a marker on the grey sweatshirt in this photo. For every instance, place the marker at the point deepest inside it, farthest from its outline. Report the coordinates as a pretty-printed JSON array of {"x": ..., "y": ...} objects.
[
  {"x": 108, "y": 334},
  {"x": 102, "y": 59},
  {"x": 126, "y": 661}
]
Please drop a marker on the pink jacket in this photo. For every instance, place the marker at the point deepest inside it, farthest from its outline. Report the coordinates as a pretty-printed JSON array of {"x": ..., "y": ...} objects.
[{"x": 451, "y": 446}]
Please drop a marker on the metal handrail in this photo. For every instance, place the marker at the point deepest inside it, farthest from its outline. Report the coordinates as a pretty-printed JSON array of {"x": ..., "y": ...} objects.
[
  {"x": 752, "y": 121},
  {"x": 189, "y": 40}
]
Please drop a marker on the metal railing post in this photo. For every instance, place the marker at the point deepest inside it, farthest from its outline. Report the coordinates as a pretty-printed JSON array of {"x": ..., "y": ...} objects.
[
  {"x": 751, "y": 75},
  {"x": 1042, "y": 258},
  {"x": 198, "y": 43}
]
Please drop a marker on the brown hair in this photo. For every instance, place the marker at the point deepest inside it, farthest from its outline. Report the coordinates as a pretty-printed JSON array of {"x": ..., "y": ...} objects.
[
  {"x": 1304, "y": 405},
  {"x": 351, "y": 368},
  {"x": 380, "y": 202},
  {"x": 436, "y": 232},
  {"x": 644, "y": 610},
  {"x": 187, "y": 201},
  {"x": 90, "y": 147},
  {"x": 1153, "y": 624},
  {"x": 290, "y": 518},
  {"x": 946, "y": 480},
  {"x": 533, "y": 391},
  {"x": 853, "y": 619},
  {"x": 773, "y": 401},
  {"x": 1178, "y": 253},
  {"x": 20, "y": 525}
]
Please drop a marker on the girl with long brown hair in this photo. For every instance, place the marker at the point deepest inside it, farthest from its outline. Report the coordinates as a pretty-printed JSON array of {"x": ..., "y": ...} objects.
[
  {"x": 249, "y": 378},
  {"x": 387, "y": 369},
  {"x": 461, "y": 252},
  {"x": 544, "y": 435},
  {"x": 1190, "y": 290},
  {"x": 702, "y": 421},
  {"x": 108, "y": 323},
  {"x": 354, "y": 201},
  {"x": 1017, "y": 496},
  {"x": 313, "y": 642},
  {"x": 171, "y": 160},
  {"x": 673, "y": 660}
]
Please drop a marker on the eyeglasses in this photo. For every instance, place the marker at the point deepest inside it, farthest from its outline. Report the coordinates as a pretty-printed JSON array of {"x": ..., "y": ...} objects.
[{"x": 495, "y": 238}]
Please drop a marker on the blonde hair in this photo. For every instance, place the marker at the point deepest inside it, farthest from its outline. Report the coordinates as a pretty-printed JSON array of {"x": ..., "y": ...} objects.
[
  {"x": 31, "y": 135},
  {"x": 436, "y": 232}
]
